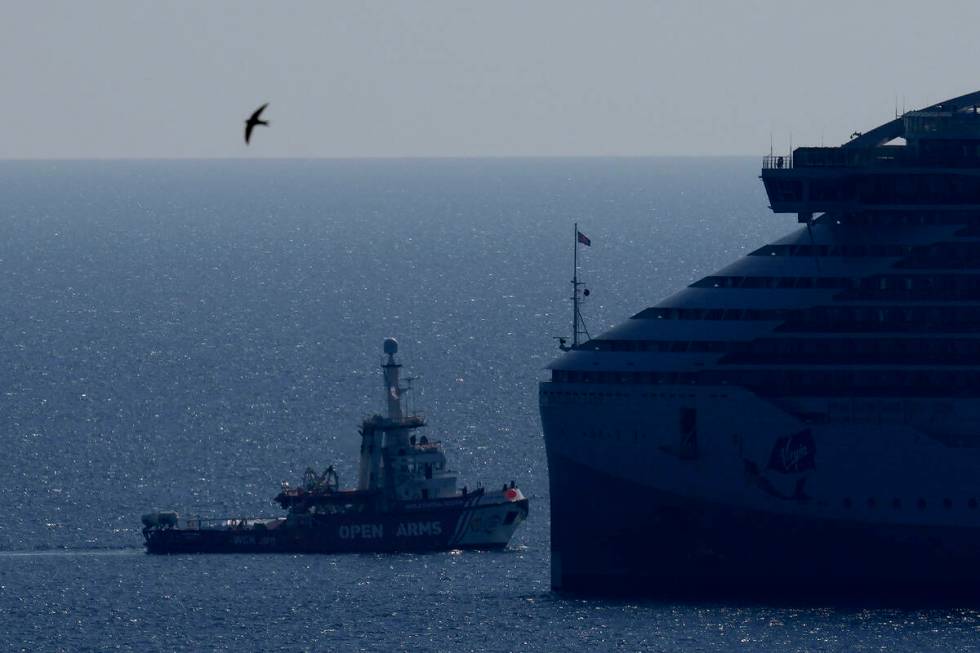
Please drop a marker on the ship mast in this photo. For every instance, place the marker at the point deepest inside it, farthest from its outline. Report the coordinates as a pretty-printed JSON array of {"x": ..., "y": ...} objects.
[
  {"x": 578, "y": 324},
  {"x": 575, "y": 291},
  {"x": 393, "y": 389}
]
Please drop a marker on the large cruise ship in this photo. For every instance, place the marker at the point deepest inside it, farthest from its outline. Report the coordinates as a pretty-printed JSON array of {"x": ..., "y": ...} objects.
[{"x": 806, "y": 419}]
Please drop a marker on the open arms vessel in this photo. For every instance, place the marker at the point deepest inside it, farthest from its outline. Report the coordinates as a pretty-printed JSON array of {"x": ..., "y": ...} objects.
[{"x": 406, "y": 500}]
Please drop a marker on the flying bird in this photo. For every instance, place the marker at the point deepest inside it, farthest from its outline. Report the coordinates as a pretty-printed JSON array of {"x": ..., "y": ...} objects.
[{"x": 255, "y": 120}]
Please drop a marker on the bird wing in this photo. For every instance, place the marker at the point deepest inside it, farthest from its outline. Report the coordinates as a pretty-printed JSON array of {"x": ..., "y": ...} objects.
[
  {"x": 254, "y": 120},
  {"x": 258, "y": 112}
]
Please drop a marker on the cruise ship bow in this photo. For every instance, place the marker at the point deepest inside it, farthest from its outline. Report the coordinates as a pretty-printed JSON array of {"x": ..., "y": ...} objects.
[{"x": 807, "y": 419}]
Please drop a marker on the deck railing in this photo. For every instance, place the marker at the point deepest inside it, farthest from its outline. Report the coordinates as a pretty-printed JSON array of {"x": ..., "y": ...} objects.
[
  {"x": 221, "y": 523},
  {"x": 777, "y": 161}
]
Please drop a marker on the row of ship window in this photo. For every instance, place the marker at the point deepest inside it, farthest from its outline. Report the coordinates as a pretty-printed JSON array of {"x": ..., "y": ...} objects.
[
  {"x": 946, "y": 153},
  {"x": 896, "y": 503},
  {"x": 893, "y": 348},
  {"x": 790, "y": 382},
  {"x": 829, "y": 283},
  {"x": 938, "y": 255},
  {"x": 875, "y": 283},
  {"x": 882, "y": 188},
  {"x": 904, "y": 219},
  {"x": 834, "y": 250},
  {"x": 822, "y": 316},
  {"x": 625, "y": 395}
]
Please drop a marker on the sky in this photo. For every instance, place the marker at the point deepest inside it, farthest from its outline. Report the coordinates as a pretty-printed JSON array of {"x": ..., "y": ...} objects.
[{"x": 404, "y": 78}]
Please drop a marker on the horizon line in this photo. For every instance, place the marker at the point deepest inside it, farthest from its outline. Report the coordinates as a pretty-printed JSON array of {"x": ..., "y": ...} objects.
[{"x": 382, "y": 158}]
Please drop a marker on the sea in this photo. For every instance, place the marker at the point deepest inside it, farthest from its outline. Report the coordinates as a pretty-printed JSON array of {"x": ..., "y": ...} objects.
[{"x": 188, "y": 334}]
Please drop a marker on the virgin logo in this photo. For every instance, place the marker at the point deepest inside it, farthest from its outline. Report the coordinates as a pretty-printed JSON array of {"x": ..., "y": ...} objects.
[{"x": 794, "y": 453}]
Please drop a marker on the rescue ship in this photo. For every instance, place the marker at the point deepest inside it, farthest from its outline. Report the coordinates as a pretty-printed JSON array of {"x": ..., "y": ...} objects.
[{"x": 406, "y": 500}]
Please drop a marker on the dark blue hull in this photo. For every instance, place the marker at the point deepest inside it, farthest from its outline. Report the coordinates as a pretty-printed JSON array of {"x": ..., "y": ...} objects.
[
  {"x": 655, "y": 543},
  {"x": 403, "y": 531}
]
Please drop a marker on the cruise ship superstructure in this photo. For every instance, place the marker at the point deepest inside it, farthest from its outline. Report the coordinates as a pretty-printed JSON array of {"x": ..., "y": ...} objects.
[{"x": 806, "y": 419}]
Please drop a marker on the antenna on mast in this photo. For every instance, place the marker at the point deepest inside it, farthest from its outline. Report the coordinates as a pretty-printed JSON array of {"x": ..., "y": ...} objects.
[{"x": 578, "y": 324}]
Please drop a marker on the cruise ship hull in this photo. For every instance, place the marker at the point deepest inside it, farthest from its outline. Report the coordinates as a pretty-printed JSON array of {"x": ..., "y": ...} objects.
[
  {"x": 724, "y": 520},
  {"x": 805, "y": 420},
  {"x": 659, "y": 543}
]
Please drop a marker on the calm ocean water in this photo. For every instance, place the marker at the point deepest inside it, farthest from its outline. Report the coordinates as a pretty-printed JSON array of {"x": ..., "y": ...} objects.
[{"x": 189, "y": 334}]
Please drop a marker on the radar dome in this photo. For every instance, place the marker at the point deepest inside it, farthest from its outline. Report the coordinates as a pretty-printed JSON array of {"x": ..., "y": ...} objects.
[{"x": 391, "y": 346}]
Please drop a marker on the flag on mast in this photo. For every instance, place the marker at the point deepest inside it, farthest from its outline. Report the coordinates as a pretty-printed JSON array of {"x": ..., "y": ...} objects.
[{"x": 585, "y": 240}]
